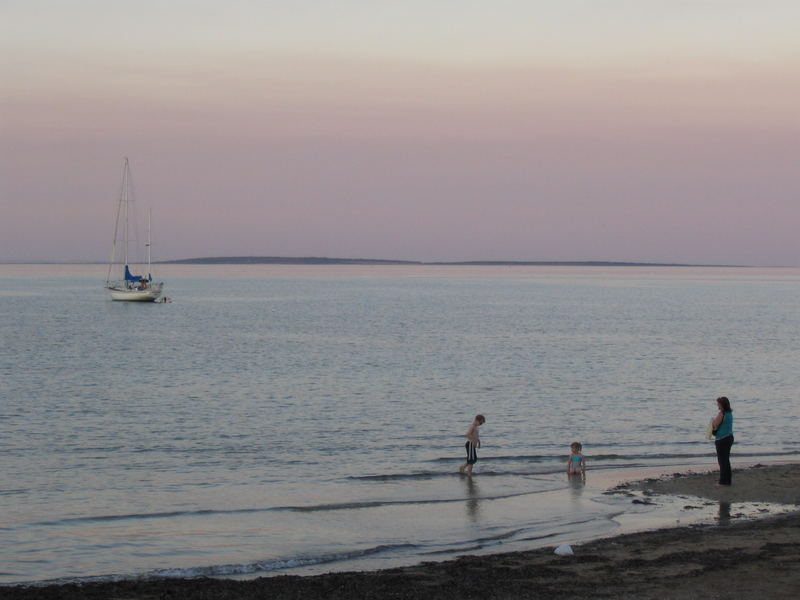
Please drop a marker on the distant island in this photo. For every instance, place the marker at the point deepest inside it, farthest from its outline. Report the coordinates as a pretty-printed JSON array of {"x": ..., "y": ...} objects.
[
  {"x": 285, "y": 260},
  {"x": 315, "y": 260}
]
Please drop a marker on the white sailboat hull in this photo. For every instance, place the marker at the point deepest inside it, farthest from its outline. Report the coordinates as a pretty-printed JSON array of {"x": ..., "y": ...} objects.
[{"x": 149, "y": 295}]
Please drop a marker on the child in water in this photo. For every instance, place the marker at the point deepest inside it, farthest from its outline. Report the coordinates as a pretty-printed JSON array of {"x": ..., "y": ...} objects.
[
  {"x": 472, "y": 445},
  {"x": 576, "y": 463}
]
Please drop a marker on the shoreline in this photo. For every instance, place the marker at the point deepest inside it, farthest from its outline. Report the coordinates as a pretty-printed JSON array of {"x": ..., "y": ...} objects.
[{"x": 734, "y": 558}]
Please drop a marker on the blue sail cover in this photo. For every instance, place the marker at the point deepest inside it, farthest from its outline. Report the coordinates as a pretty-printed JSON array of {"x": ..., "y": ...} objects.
[{"x": 129, "y": 277}]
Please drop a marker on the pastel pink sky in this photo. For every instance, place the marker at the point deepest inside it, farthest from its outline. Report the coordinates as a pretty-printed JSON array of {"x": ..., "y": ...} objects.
[{"x": 633, "y": 130}]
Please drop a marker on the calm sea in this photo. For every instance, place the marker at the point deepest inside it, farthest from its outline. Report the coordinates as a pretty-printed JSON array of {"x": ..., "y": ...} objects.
[{"x": 277, "y": 419}]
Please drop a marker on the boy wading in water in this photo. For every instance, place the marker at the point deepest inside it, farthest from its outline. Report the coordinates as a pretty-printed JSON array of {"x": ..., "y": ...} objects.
[{"x": 472, "y": 445}]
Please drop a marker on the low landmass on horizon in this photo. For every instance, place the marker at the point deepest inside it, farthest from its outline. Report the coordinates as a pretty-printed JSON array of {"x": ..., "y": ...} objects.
[
  {"x": 321, "y": 260},
  {"x": 314, "y": 260}
]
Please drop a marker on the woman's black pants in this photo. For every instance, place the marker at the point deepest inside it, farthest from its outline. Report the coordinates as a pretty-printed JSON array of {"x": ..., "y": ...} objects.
[{"x": 724, "y": 459}]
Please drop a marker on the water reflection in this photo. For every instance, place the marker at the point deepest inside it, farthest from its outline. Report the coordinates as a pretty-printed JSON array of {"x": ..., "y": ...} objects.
[
  {"x": 473, "y": 504},
  {"x": 576, "y": 484},
  {"x": 724, "y": 512}
]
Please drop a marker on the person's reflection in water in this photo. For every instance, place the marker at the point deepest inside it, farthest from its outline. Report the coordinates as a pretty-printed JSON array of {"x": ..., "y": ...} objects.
[
  {"x": 576, "y": 484},
  {"x": 724, "y": 512},
  {"x": 473, "y": 504}
]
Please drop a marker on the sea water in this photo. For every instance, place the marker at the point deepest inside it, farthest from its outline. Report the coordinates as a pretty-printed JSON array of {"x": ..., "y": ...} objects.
[{"x": 300, "y": 419}]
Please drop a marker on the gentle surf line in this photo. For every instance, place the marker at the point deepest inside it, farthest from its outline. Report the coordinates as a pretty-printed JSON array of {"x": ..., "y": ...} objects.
[
  {"x": 228, "y": 570},
  {"x": 596, "y": 457},
  {"x": 300, "y": 509}
]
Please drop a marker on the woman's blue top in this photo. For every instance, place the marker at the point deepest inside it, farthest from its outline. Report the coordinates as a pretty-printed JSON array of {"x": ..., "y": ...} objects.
[{"x": 726, "y": 427}]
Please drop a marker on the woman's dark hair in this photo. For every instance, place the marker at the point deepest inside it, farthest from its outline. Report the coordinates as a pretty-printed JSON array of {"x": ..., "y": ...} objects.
[{"x": 724, "y": 404}]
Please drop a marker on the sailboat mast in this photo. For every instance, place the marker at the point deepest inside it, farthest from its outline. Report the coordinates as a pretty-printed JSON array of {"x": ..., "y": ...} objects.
[
  {"x": 149, "y": 214},
  {"x": 125, "y": 199}
]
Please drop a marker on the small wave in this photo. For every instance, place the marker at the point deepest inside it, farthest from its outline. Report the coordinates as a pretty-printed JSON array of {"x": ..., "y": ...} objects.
[
  {"x": 391, "y": 477},
  {"x": 477, "y": 544},
  {"x": 399, "y": 476},
  {"x": 229, "y": 570},
  {"x": 155, "y": 515},
  {"x": 536, "y": 538},
  {"x": 274, "y": 565},
  {"x": 381, "y": 503},
  {"x": 334, "y": 506},
  {"x": 662, "y": 456},
  {"x": 341, "y": 506},
  {"x": 640, "y": 456},
  {"x": 526, "y": 457},
  {"x": 539, "y": 458}
]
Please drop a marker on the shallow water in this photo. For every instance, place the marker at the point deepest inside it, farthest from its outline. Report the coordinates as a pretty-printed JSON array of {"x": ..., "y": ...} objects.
[{"x": 278, "y": 418}]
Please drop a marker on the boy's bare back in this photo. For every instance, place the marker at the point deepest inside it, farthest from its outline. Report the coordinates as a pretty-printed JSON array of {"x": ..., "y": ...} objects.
[{"x": 472, "y": 434}]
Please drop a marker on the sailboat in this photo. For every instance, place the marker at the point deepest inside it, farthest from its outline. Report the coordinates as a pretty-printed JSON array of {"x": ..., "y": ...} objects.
[{"x": 131, "y": 288}]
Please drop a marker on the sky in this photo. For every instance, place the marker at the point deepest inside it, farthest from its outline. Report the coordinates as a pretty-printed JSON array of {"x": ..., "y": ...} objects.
[{"x": 434, "y": 130}]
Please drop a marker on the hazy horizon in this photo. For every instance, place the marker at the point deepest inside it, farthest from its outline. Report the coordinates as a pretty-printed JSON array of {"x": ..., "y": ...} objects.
[
  {"x": 267, "y": 260},
  {"x": 648, "y": 131}
]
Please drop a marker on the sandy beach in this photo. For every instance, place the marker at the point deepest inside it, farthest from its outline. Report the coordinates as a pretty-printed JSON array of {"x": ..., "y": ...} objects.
[{"x": 734, "y": 558}]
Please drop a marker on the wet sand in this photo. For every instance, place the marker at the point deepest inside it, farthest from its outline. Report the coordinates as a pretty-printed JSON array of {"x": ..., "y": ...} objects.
[{"x": 735, "y": 559}]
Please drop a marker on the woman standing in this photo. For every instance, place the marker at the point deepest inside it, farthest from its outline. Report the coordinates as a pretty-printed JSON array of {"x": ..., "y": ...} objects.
[{"x": 723, "y": 439}]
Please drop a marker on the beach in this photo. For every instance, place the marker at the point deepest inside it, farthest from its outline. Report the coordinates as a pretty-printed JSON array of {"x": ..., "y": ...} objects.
[{"x": 732, "y": 558}]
